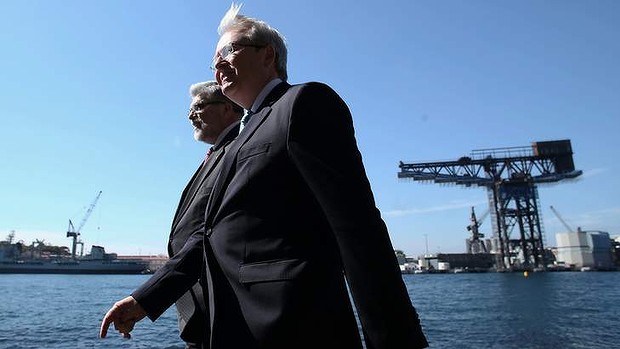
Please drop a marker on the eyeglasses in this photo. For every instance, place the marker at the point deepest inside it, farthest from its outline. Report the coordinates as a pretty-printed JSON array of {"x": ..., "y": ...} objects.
[
  {"x": 200, "y": 106},
  {"x": 227, "y": 50}
]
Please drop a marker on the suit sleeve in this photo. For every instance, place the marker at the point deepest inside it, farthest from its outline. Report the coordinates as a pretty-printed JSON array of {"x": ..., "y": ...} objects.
[
  {"x": 172, "y": 280},
  {"x": 322, "y": 145}
]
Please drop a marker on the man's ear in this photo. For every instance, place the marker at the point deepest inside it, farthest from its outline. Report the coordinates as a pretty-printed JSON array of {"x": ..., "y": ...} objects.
[
  {"x": 230, "y": 111},
  {"x": 270, "y": 56}
]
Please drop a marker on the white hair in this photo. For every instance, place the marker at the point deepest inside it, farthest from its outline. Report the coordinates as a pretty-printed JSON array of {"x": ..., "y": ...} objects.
[
  {"x": 229, "y": 18},
  {"x": 211, "y": 90},
  {"x": 206, "y": 87},
  {"x": 256, "y": 32}
]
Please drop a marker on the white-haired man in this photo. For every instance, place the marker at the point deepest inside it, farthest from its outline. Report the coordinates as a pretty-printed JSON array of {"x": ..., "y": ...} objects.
[
  {"x": 215, "y": 120},
  {"x": 292, "y": 215}
]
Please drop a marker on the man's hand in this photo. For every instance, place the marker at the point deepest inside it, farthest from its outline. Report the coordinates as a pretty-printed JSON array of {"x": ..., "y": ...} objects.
[{"x": 124, "y": 314}]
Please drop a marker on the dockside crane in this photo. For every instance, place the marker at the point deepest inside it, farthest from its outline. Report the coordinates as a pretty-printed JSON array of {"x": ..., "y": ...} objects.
[
  {"x": 557, "y": 214},
  {"x": 75, "y": 233},
  {"x": 475, "y": 244},
  {"x": 511, "y": 176}
]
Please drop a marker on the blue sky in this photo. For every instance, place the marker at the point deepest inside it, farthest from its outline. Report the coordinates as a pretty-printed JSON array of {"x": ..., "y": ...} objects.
[{"x": 93, "y": 96}]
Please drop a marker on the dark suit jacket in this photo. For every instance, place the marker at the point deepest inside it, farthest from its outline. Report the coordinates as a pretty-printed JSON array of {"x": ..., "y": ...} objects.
[
  {"x": 291, "y": 215},
  {"x": 189, "y": 219}
]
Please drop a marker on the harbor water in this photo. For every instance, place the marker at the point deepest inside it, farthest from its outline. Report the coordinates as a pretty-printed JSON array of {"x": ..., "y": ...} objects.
[{"x": 489, "y": 310}]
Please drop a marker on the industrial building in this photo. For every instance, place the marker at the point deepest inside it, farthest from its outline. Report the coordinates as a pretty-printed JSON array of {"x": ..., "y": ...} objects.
[
  {"x": 458, "y": 261},
  {"x": 585, "y": 249}
]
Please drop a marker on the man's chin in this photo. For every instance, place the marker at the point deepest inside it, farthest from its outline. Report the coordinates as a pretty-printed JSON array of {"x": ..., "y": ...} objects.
[{"x": 228, "y": 89}]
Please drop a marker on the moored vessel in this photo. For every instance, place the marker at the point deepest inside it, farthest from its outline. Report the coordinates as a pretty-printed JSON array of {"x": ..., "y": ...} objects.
[{"x": 13, "y": 261}]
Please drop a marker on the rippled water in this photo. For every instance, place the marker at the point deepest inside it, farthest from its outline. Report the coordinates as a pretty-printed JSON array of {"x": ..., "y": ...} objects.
[
  {"x": 65, "y": 311},
  {"x": 546, "y": 310}
]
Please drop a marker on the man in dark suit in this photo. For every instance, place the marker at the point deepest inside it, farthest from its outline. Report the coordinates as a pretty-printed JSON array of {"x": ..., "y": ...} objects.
[
  {"x": 215, "y": 120},
  {"x": 292, "y": 215}
]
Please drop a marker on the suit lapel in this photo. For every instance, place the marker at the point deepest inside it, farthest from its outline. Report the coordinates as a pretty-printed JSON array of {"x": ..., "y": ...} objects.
[
  {"x": 195, "y": 184},
  {"x": 229, "y": 162},
  {"x": 184, "y": 202},
  {"x": 202, "y": 176}
]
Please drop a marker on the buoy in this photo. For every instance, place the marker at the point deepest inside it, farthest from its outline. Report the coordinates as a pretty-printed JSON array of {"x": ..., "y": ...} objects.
[{"x": 526, "y": 274}]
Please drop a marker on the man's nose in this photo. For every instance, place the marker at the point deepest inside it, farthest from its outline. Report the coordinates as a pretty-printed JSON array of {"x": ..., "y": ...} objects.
[{"x": 218, "y": 63}]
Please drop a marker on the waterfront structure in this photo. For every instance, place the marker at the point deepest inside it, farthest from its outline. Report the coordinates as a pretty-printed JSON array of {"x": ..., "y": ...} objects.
[
  {"x": 13, "y": 260},
  {"x": 16, "y": 258},
  {"x": 445, "y": 262},
  {"x": 616, "y": 250},
  {"x": 475, "y": 244},
  {"x": 511, "y": 176},
  {"x": 154, "y": 261},
  {"x": 585, "y": 249}
]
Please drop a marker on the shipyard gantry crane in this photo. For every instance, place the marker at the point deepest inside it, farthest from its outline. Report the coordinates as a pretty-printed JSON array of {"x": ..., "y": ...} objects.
[{"x": 511, "y": 176}]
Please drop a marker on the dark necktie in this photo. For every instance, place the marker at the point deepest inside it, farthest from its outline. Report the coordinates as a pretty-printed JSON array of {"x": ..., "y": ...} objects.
[{"x": 244, "y": 120}]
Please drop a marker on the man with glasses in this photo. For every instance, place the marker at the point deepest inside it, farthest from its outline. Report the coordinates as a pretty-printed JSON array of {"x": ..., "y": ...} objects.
[
  {"x": 215, "y": 120},
  {"x": 292, "y": 219}
]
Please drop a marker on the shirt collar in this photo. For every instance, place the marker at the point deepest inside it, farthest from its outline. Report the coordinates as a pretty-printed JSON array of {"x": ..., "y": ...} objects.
[{"x": 263, "y": 94}]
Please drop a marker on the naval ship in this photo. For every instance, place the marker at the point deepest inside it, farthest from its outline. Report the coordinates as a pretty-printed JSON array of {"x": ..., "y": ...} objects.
[{"x": 15, "y": 259}]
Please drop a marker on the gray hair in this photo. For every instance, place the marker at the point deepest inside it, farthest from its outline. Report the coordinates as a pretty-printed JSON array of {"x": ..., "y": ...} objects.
[
  {"x": 211, "y": 89},
  {"x": 257, "y": 32}
]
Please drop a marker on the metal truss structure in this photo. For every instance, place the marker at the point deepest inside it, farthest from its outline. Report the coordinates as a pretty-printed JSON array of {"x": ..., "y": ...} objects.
[{"x": 511, "y": 176}]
